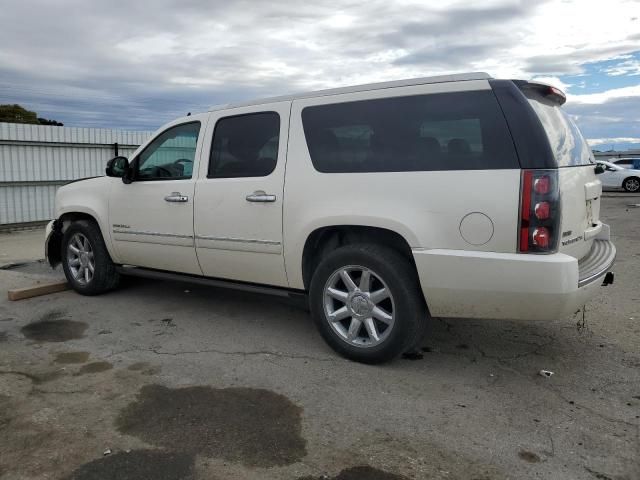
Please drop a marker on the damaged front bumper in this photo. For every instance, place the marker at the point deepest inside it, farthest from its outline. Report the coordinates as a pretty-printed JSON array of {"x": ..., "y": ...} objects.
[{"x": 53, "y": 243}]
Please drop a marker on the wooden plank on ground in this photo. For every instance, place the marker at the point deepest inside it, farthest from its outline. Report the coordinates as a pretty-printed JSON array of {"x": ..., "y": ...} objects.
[{"x": 37, "y": 290}]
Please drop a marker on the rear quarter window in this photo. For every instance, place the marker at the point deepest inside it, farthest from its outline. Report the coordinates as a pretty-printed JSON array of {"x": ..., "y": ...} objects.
[{"x": 444, "y": 131}]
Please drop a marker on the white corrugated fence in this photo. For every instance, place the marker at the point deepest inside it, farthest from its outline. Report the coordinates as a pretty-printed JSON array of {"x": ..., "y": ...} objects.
[{"x": 35, "y": 160}]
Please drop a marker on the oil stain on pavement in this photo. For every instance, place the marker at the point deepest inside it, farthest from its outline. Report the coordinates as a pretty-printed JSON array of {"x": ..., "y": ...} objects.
[
  {"x": 138, "y": 465},
  {"x": 51, "y": 328},
  {"x": 94, "y": 367},
  {"x": 144, "y": 368},
  {"x": 528, "y": 456},
  {"x": 71, "y": 357},
  {"x": 364, "y": 472},
  {"x": 254, "y": 427}
]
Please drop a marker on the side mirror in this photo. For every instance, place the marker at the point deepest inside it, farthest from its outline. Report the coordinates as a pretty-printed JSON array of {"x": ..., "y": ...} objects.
[
  {"x": 117, "y": 167},
  {"x": 599, "y": 169}
]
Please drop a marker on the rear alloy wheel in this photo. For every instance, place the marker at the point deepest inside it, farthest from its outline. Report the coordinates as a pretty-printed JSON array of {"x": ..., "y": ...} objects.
[
  {"x": 359, "y": 306},
  {"x": 631, "y": 184},
  {"x": 367, "y": 303}
]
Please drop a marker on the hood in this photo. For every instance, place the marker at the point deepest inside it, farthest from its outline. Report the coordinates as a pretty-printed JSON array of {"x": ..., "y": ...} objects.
[{"x": 82, "y": 179}]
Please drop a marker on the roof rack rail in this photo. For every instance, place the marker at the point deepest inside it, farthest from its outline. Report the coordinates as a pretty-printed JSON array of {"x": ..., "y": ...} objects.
[{"x": 458, "y": 77}]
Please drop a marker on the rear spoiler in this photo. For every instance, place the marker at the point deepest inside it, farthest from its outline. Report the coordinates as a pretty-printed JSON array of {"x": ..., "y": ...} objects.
[{"x": 548, "y": 91}]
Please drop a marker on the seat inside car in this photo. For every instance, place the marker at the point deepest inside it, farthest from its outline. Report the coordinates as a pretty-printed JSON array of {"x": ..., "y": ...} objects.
[
  {"x": 458, "y": 146},
  {"x": 426, "y": 149},
  {"x": 325, "y": 145},
  {"x": 244, "y": 158}
]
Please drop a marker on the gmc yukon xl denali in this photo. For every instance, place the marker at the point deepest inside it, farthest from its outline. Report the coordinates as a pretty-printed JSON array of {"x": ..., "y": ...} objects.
[{"x": 383, "y": 204}]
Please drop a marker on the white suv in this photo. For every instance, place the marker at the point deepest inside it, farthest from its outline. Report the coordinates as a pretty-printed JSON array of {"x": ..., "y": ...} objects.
[{"x": 454, "y": 196}]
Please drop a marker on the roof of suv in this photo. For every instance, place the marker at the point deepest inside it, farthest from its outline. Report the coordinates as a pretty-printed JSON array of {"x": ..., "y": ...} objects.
[{"x": 459, "y": 77}]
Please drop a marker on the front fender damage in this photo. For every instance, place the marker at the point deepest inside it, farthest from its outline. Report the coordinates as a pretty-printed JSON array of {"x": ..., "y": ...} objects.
[{"x": 53, "y": 244}]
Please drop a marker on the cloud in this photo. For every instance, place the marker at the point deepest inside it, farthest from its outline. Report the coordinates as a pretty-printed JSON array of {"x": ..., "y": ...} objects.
[
  {"x": 138, "y": 64},
  {"x": 553, "y": 81},
  {"x": 573, "y": 60},
  {"x": 594, "y": 142},
  {"x": 628, "y": 67},
  {"x": 607, "y": 96},
  {"x": 615, "y": 118}
]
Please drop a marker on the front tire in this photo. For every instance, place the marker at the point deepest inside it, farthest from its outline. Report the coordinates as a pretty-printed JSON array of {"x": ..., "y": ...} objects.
[
  {"x": 367, "y": 304},
  {"x": 86, "y": 261},
  {"x": 631, "y": 184}
]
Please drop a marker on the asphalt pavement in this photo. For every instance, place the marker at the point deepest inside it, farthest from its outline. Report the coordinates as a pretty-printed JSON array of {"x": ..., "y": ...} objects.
[{"x": 166, "y": 380}]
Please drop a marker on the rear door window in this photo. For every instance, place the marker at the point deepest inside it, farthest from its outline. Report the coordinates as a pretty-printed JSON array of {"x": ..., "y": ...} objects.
[
  {"x": 444, "y": 131},
  {"x": 245, "y": 146}
]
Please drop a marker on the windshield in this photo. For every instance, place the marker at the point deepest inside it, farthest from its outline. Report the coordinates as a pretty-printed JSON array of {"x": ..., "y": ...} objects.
[{"x": 568, "y": 146}]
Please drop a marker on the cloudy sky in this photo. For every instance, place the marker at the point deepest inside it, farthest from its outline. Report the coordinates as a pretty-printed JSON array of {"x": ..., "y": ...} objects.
[{"x": 136, "y": 64}]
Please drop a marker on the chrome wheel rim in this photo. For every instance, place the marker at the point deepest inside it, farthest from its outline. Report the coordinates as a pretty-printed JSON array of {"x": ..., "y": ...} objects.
[
  {"x": 359, "y": 306},
  {"x": 633, "y": 184},
  {"x": 80, "y": 259}
]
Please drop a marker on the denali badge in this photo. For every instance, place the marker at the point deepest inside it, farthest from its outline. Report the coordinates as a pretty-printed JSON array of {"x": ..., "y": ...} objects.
[{"x": 117, "y": 225}]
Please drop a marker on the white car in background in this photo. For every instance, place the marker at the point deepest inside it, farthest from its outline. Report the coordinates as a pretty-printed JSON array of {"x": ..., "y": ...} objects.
[{"x": 615, "y": 176}]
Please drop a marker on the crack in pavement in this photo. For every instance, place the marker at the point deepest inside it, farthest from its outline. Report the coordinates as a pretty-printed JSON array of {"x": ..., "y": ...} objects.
[
  {"x": 553, "y": 445},
  {"x": 536, "y": 351},
  {"x": 33, "y": 378},
  {"x": 501, "y": 362},
  {"x": 158, "y": 351},
  {"x": 61, "y": 392}
]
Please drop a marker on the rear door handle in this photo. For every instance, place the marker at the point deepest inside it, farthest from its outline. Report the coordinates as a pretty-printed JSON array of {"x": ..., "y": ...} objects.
[
  {"x": 176, "y": 197},
  {"x": 261, "y": 196}
]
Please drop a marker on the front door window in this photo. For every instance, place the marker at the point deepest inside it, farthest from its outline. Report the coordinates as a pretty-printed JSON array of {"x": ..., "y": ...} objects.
[{"x": 170, "y": 156}]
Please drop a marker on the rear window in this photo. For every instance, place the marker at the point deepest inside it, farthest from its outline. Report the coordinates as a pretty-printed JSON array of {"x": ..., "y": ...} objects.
[
  {"x": 444, "y": 131},
  {"x": 567, "y": 144}
]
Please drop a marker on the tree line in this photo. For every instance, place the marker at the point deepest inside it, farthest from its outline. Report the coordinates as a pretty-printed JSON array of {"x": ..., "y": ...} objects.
[{"x": 17, "y": 114}]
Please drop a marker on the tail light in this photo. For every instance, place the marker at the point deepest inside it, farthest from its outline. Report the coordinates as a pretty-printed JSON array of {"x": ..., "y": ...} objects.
[{"x": 539, "y": 227}]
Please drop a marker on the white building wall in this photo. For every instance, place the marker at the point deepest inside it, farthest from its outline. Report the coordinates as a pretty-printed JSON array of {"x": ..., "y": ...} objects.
[{"x": 35, "y": 160}]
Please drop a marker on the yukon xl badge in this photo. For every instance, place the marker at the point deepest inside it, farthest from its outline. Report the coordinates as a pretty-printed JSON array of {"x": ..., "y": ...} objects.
[
  {"x": 571, "y": 240},
  {"x": 117, "y": 225}
]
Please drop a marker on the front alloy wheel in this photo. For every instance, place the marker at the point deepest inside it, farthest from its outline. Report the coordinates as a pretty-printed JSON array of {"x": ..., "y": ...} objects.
[
  {"x": 80, "y": 258},
  {"x": 85, "y": 259},
  {"x": 359, "y": 306}
]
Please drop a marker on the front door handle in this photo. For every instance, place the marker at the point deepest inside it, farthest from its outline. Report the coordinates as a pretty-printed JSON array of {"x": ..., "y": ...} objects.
[
  {"x": 260, "y": 196},
  {"x": 176, "y": 197}
]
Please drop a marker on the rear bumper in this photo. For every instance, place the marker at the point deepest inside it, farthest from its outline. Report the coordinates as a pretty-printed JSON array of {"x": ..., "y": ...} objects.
[
  {"x": 597, "y": 263},
  {"x": 511, "y": 286}
]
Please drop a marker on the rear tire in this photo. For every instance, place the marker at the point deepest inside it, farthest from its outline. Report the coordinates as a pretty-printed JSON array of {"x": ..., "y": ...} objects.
[
  {"x": 86, "y": 261},
  {"x": 367, "y": 303},
  {"x": 631, "y": 184}
]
